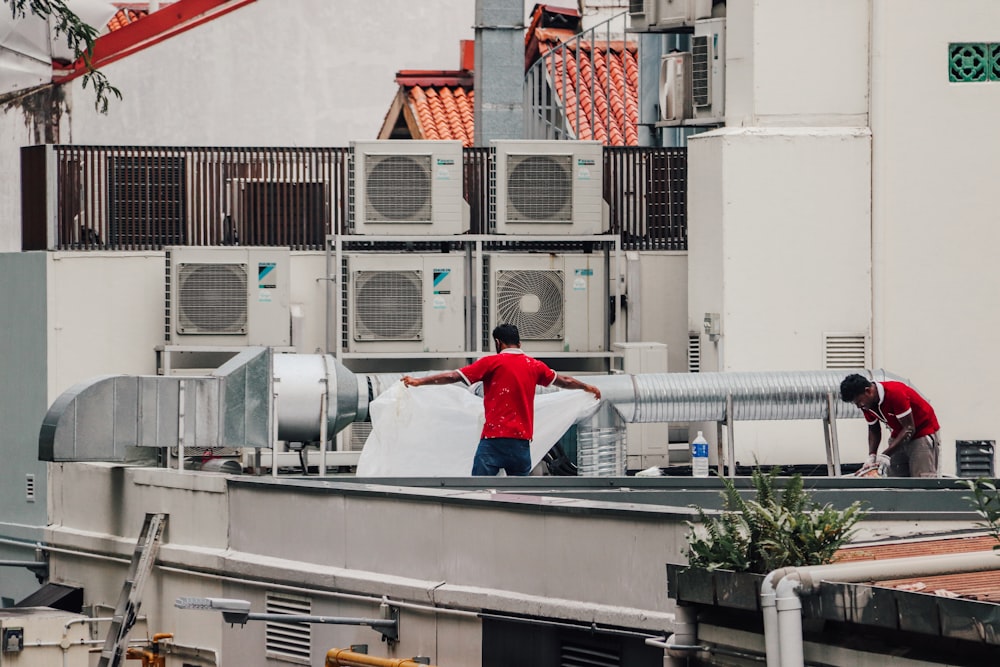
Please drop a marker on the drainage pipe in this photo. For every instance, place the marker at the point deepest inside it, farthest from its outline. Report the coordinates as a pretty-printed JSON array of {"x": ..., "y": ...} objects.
[
  {"x": 337, "y": 657},
  {"x": 782, "y": 591}
]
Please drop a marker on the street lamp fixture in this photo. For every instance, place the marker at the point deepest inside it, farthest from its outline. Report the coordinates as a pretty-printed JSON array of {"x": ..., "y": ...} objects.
[{"x": 238, "y": 611}]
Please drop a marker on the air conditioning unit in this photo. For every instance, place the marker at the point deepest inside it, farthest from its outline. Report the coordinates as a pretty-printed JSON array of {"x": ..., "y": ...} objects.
[
  {"x": 708, "y": 70},
  {"x": 557, "y": 302},
  {"x": 638, "y": 18},
  {"x": 408, "y": 188},
  {"x": 678, "y": 13},
  {"x": 675, "y": 87},
  {"x": 406, "y": 302},
  {"x": 227, "y": 296},
  {"x": 549, "y": 187}
]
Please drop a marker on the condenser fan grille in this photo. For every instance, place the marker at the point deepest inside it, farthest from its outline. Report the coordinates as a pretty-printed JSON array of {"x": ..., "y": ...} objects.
[
  {"x": 533, "y": 301},
  {"x": 388, "y": 305},
  {"x": 539, "y": 188},
  {"x": 212, "y": 298},
  {"x": 398, "y": 188}
]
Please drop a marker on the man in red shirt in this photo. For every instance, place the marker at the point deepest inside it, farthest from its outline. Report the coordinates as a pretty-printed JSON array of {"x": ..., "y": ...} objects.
[
  {"x": 914, "y": 440},
  {"x": 509, "y": 379}
]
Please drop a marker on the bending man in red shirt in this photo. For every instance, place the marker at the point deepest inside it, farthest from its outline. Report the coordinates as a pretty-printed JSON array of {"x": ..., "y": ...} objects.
[
  {"x": 509, "y": 378},
  {"x": 914, "y": 440}
]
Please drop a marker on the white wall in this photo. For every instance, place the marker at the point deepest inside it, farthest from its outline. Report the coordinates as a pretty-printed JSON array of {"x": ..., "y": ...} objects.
[{"x": 936, "y": 224}]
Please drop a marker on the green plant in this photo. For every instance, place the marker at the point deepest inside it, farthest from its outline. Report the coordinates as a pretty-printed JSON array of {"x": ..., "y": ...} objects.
[
  {"x": 773, "y": 530},
  {"x": 986, "y": 501}
]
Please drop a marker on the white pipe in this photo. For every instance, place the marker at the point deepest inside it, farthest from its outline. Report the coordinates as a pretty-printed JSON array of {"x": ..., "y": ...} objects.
[{"x": 783, "y": 589}]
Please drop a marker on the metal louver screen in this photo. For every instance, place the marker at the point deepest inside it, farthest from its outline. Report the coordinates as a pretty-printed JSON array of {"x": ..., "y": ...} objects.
[
  {"x": 359, "y": 435},
  {"x": 388, "y": 305},
  {"x": 539, "y": 188},
  {"x": 844, "y": 351},
  {"x": 636, "y": 6},
  {"x": 211, "y": 298},
  {"x": 398, "y": 188},
  {"x": 701, "y": 70},
  {"x": 288, "y": 641},
  {"x": 532, "y": 301}
]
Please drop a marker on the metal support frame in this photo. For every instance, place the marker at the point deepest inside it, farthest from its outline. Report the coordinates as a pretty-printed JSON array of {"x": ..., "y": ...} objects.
[{"x": 830, "y": 436}]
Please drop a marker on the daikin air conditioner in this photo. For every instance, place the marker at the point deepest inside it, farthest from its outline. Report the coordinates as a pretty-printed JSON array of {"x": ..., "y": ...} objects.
[
  {"x": 406, "y": 303},
  {"x": 408, "y": 188},
  {"x": 675, "y": 87},
  {"x": 708, "y": 70},
  {"x": 549, "y": 187},
  {"x": 681, "y": 13},
  {"x": 227, "y": 296},
  {"x": 557, "y": 302}
]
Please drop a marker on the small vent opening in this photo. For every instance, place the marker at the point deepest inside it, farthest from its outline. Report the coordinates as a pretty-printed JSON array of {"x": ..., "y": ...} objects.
[
  {"x": 533, "y": 302},
  {"x": 539, "y": 188},
  {"x": 359, "y": 435},
  {"x": 288, "y": 641},
  {"x": 974, "y": 458},
  {"x": 694, "y": 352},
  {"x": 579, "y": 655},
  {"x": 844, "y": 351},
  {"x": 398, "y": 188},
  {"x": 29, "y": 487},
  {"x": 388, "y": 305},
  {"x": 212, "y": 298}
]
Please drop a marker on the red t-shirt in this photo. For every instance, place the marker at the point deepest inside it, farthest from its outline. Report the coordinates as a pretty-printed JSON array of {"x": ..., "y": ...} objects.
[
  {"x": 509, "y": 380},
  {"x": 895, "y": 400}
]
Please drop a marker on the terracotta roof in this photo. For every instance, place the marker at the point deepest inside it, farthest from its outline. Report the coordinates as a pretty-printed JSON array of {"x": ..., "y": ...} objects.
[
  {"x": 983, "y": 586},
  {"x": 124, "y": 17},
  {"x": 598, "y": 78}
]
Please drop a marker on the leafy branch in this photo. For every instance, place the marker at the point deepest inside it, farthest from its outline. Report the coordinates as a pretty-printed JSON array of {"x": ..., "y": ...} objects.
[
  {"x": 79, "y": 38},
  {"x": 771, "y": 531},
  {"x": 985, "y": 501}
]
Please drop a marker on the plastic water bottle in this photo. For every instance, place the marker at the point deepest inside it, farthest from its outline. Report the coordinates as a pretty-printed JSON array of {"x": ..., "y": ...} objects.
[{"x": 699, "y": 456}]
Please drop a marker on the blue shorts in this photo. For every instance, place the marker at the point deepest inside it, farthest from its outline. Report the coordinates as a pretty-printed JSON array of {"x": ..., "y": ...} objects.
[{"x": 510, "y": 454}]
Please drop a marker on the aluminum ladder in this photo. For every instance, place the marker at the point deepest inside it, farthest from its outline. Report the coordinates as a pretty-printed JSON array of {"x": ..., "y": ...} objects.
[{"x": 143, "y": 558}]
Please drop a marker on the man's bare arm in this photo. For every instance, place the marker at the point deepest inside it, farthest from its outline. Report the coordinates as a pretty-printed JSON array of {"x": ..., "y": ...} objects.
[
  {"x": 448, "y": 377},
  {"x": 568, "y": 382},
  {"x": 905, "y": 433}
]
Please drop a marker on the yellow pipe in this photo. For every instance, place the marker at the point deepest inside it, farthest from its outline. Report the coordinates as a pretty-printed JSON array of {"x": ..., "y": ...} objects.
[{"x": 342, "y": 657}]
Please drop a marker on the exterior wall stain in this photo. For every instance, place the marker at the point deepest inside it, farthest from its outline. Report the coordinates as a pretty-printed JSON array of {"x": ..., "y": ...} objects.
[{"x": 43, "y": 108}]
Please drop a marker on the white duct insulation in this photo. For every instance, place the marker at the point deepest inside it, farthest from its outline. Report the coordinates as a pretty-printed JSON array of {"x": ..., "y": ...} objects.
[{"x": 782, "y": 590}]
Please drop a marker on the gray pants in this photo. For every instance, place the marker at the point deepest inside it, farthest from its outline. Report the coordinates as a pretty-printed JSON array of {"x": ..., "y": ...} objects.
[{"x": 917, "y": 458}]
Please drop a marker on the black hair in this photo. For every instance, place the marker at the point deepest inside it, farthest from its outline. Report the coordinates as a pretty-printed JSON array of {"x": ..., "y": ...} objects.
[
  {"x": 507, "y": 334},
  {"x": 853, "y": 386}
]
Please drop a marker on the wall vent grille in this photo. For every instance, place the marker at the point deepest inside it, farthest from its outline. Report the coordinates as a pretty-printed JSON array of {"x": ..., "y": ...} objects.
[
  {"x": 694, "y": 352},
  {"x": 845, "y": 351},
  {"x": 578, "y": 655},
  {"x": 974, "y": 458},
  {"x": 288, "y": 641},
  {"x": 29, "y": 487}
]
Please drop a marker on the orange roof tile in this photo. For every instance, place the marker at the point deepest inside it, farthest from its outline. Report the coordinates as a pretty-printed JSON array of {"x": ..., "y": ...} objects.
[
  {"x": 983, "y": 586},
  {"x": 443, "y": 112},
  {"x": 124, "y": 17}
]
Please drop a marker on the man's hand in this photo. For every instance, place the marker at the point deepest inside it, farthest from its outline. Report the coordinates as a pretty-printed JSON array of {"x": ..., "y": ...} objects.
[
  {"x": 411, "y": 381},
  {"x": 593, "y": 390}
]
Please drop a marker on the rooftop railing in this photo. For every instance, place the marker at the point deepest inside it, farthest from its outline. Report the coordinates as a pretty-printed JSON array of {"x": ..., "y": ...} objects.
[{"x": 145, "y": 197}]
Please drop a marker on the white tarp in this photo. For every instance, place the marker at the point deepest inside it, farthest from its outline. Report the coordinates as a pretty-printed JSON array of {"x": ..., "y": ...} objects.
[{"x": 433, "y": 431}]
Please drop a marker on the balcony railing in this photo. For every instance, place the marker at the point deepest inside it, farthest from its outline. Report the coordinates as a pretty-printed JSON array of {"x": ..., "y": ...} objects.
[{"x": 145, "y": 198}]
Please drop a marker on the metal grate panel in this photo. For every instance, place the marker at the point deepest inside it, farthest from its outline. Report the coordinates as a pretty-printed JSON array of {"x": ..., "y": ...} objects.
[
  {"x": 147, "y": 198},
  {"x": 388, "y": 305},
  {"x": 211, "y": 298},
  {"x": 694, "y": 352},
  {"x": 532, "y": 301},
  {"x": 577, "y": 655},
  {"x": 398, "y": 188},
  {"x": 701, "y": 70},
  {"x": 844, "y": 351},
  {"x": 974, "y": 458},
  {"x": 288, "y": 641},
  {"x": 539, "y": 188},
  {"x": 359, "y": 434}
]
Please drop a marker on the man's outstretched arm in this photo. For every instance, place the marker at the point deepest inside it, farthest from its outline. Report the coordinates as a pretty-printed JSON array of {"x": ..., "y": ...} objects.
[
  {"x": 448, "y": 377},
  {"x": 568, "y": 382}
]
